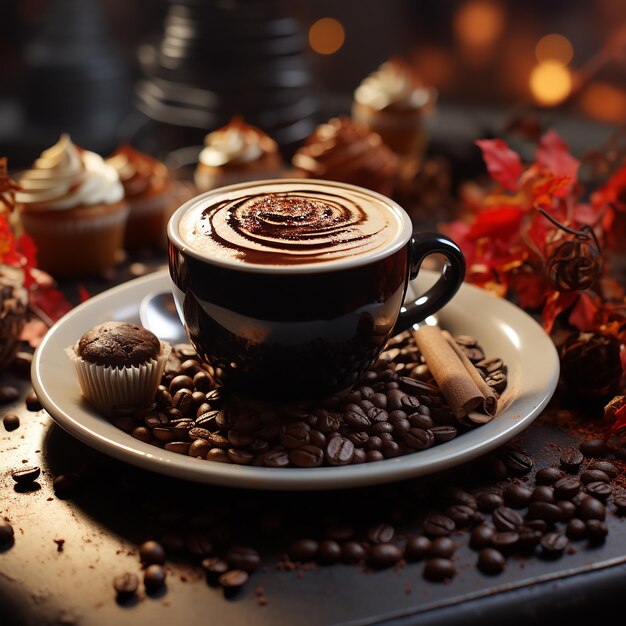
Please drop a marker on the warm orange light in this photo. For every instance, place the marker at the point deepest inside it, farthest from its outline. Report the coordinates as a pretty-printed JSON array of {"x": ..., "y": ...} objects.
[
  {"x": 554, "y": 47},
  {"x": 479, "y": 23},
  {"x": 604, "y": 102},
  {"x": 550, "y": 83},
  {"x": 326, "y": 35}
]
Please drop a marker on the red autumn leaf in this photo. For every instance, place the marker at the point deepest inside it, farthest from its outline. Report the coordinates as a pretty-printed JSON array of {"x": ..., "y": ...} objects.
[
  {"x": 620, "y": 419},
  {"x": 503, "y": 164},
  {"x": 556, "y": 303},
  {"x": 83, "y": 294},
  {"x": 613, "y": 192},
  {"x": 584, "y": 313},
  {"x": 530, "y": 287},
  {"x": 543, "y": 193},
  {"x": 500, "y": 223},
  {"x": 51, "y": 302},
  {"x": 554, "y": 155}
]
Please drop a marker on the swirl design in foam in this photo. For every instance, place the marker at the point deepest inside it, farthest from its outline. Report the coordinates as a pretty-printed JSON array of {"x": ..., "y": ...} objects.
[{"x": 299, "y": 225}]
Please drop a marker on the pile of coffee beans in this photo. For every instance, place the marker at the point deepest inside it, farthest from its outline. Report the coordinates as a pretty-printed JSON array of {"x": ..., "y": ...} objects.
[
  {"x": 396, "y": 409},
  {"x": 516, "y": 512}
]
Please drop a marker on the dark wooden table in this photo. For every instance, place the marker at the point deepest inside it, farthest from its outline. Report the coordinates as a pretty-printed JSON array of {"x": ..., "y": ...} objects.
[{"x": 44, "y": 580}]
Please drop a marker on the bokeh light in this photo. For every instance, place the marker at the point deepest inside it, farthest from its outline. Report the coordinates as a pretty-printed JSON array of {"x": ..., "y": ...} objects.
[
  {"x": 604, "y": 102},
  {"x": 550, "y": 83},
  {"x": 554, "y": 47},
  {"x": 326, "y": 35},
  {"x": 479, "y": 23}
]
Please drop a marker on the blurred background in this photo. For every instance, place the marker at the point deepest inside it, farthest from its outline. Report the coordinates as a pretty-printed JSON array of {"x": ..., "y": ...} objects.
[{"x": 162, "y": 73}]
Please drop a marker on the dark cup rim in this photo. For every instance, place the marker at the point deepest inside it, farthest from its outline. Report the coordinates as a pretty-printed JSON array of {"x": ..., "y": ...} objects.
[{"x": 401, "y": 240}]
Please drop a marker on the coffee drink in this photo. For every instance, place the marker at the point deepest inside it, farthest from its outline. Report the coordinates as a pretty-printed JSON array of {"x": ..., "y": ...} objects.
[
  {"x": 291, "y": 288},
  {"x": 291, "y": 224}
]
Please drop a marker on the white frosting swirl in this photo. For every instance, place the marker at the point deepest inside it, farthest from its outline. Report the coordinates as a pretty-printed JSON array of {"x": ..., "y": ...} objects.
[
  {"x": 235, "y": 143},
  {"x": 393, "y": 85},
  {"x": 64, "y": 177}
]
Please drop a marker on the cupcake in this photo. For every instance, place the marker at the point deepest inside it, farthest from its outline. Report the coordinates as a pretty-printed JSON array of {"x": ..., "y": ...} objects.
[
  {"x": 393, "y": 102},
  {"x": 118, "y": 364},
  {"x": 151, "y": 194},
  {"x": 236, "y": 153},
  {"x": 72, "y": 204},
  {"x": 347, "y": 151}
]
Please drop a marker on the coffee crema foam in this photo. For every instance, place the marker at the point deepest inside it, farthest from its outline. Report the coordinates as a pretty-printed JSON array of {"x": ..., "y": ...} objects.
[{"x": 291, "y": 224}]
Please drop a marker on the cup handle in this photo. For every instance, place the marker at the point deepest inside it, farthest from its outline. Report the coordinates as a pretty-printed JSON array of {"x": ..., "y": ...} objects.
[{"x": 452, "y": 275}]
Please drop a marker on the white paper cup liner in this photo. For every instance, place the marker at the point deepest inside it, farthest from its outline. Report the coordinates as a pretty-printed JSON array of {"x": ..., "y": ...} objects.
[{"x": 105, "y": 387}]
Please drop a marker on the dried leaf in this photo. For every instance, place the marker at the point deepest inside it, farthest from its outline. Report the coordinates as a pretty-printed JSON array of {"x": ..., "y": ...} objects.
[
  {"x": 503, "y": 164},
  {"x": 556, "y": 303},
  {"x": 554, "y": 155},
  {"x": 500, "y": 223},
  {"x": 584, "y": 313}
]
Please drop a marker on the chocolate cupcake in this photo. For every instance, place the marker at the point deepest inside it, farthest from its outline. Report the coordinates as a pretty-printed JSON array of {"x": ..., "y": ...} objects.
[
  {"x": 348, "y": 152},
  {"x": 235, "y": 153},
  {"x": 118, "y": 363},
  {"x": 152, "y": 195}
]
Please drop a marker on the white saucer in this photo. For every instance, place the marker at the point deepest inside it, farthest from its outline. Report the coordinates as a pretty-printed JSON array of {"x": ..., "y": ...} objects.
[{"x": 502, "y": 329}]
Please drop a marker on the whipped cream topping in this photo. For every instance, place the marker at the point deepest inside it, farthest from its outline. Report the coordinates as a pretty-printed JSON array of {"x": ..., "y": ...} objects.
[
  {"x": 138, "y": 172},
  {"x": 235, "y": 143},
  {"x": 393, "y": 84},
  {"x": 65, "y": 176}
]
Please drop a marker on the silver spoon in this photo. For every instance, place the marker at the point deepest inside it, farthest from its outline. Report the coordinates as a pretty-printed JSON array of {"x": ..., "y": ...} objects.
[{"x": 158, "y": 313}]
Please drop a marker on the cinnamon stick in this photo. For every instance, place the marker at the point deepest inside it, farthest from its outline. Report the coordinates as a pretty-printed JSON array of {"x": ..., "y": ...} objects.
[{"x": 452, "y": 376}]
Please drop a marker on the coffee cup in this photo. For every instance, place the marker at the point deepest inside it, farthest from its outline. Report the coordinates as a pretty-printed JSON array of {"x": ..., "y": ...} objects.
[{"x": 291, "y": 288}]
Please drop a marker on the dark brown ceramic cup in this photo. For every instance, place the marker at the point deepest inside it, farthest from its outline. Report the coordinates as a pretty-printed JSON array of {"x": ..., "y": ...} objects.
[{"x": 298, "y": 332}]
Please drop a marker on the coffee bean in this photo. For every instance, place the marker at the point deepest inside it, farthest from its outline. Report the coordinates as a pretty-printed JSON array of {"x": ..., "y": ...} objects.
[
  {"x": 543, "y": 493},
  {"x": 125, "y": 584},
  {"x": 417, "y": 547},
  {"x": 328, "y": 552},
  {"x": 566, "y": 488},
  {"x": 244, "y": 558},
  {"x": 506, "y": 519},
  {"x": 528, "y": 538},
  {"x": 154, "y": 578},
  {"x": 383, "y": 555},
  {"x": 481, "y": 536},
  {"x": 505, "y": 540},
  {"x": 460, "y": 514},
  {"x": 437, "y": 525},
  {"x": 576, "y": 529},
  {"x": 488, "y": 501},
  {"x": 605, "y": 466},
  {"x": 456, "y": 495},
  {"x": 491, "y": 561},
  {"x": 11, "y": 422},
  {"x": 357, "y": 419},
  {"x": 182, "y": 381},
  {"x": 443, "y": 433},
  {"x": 418, "y": 438},
  {"x": 620, "y": 504},
  {"x": 307, "y": 456},
  {"x": 594, "y": 475},
  {"x": 199, "y": 544},
  {"x": 548, "y": 475},
  {"x": 219, "y": 455},
  {"x": 590, "y": 508},
  {"x": 420, "y": 420},
  {"x": 352, "y": 552},
  {"x": 594, "y": 448},
  {"x": 568, "y": 510},
  {"x": 26, "y": 475},
  {"x": 339, "y": 451},
  {"x": 597, "y": 531},
  {"x": 599, "y": 490},
  {"x": 8, "y": 393},
  {"x": 275, "y": 458},
  {"x": 442, "y": 547},
  {"x": 151, "y": 552},
  {"x": 438, "y": 569},
  {"x": 32, "y": 401},
  {"x": 553, "y": 545},
  {"x": 179, "y": 447},
  {"x": 517, "y": 495},
  {"x": 493, "y": 468},
  {"x": 303, "y": 550},
  {"x": 233, "y": 581},
  {"x": 517, "y": 462},
  {"x": 546, "y": 511},
  {"x": 536, "y": 524},
  {"x": 571, "y": 459},
  {"x": 214, "y": 568},
  {"x": 6, "y": 533},
  {"x": 380, "y": 533}
]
